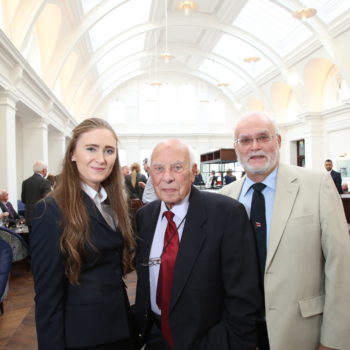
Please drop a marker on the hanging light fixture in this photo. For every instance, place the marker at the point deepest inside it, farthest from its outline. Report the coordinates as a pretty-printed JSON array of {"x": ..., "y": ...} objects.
[
  {"x": 222, "y": 85},
  {"x": 304, "y": 13},
  {"x": 252, "y": 59},
  {"x": 187, "y": 6},
  {"x": 166, "y": 56},
  {"x": 155, "y": 82}
]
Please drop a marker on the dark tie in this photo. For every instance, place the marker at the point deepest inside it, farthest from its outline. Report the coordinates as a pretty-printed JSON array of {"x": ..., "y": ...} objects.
[
  {"x": 258, "y": 220},
  {"x": 166, "y": 274},
  {"x": 10, "y": 209}
]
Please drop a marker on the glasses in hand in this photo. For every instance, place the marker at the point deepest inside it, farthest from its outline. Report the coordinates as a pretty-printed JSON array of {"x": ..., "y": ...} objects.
[
  {"x": 6, "y": 221},
  {"x": 151, "y": 262}
]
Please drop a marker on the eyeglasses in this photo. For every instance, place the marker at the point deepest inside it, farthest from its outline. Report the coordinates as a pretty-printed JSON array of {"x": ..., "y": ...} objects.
[
  {"x": 176, "y": 168},
  {"x": 248, "y": 141}
]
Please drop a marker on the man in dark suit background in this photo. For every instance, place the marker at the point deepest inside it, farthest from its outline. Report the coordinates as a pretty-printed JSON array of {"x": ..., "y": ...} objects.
[
  {"x": 7, "y": 207},
  {"x": 209, "y": 296},
  {"x": 328, "y": 164},
  {"x": 35, "y": 188}
]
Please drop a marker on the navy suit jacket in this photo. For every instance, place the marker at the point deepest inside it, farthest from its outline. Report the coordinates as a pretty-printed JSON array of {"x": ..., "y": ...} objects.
[
  {"x": 94, "y": 312},
  {"x": 33, "y": 189},
  {"x": 337, "y": 180},
  {"x": 215, "y": 294}
]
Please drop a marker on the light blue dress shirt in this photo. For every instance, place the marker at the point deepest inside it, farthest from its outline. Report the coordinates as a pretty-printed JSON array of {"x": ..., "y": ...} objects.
[{"x": 269, "y": 191}]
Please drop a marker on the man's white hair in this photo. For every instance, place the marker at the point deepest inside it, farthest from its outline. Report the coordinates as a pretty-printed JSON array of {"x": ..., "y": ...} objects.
[
  {"x": 190, "y": 151},
  {"x": 38, "y": 166}
]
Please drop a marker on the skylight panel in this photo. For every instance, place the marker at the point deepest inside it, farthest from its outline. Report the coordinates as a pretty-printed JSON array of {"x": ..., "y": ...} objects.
[
  {"x": 221, "y": 74},
  {"x": 237, "y": 50},
  {"x": 125, "y": 70},
  {"x": 123, "y": 18},
  {"x": 89, "y": 4},
  {"x": 328, "y": 10},
  {"x": 127, "y": 48},
  {"x": 273, "y": 25}
]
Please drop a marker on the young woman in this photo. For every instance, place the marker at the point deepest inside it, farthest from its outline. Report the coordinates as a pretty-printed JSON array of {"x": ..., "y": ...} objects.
[{"x": 82, "y": 244}]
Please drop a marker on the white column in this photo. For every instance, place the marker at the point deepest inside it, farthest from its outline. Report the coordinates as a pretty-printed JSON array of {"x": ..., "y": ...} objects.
[
  {"x": 8, "y": 174},
  {"x": 57, "y": 148},
  {"x": 314, "y": 142},
  {"x": 35, "y": 144}
]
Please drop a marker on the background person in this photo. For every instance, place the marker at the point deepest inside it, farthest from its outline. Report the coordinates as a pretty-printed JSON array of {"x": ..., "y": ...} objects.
[
  {"x": 7, "y": 207},
  {"x": 328, "y": 164},
  {"x": 149, "y": 194},
  {"x": 133, "y": 180},
  {"x": 210, "y": 298},
  {"x": 305, "y": 270},
  {"x": 125, "y": 170},
  {"x": 229, "y": 177},
  {"x": 82, "y": 246},
  {"x": 35, "y": 188}
]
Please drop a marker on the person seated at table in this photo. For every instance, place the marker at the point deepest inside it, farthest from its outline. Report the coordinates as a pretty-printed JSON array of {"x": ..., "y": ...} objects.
[
  {"x": 7, "y": 207},
  {"x": 229, "y": 177}
]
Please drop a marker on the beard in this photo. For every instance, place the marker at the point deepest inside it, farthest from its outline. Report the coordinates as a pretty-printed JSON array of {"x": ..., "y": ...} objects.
[{"x": 271, "y": 162}]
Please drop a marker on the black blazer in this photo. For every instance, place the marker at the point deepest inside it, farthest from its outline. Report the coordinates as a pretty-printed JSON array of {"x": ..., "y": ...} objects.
[
  {"x": 33, "y": 189},
  {"x": 215, "y": 294},
  {"x": 337, "y": 180},
  {"x": 137, "y": 191},
  {"x": 92, "y": 313}
]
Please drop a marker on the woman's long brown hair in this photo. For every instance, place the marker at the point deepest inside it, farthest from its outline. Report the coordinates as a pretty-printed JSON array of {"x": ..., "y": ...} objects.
[
  {"x": 135, "y": 169},
  {"x": 69, "y": 197}
]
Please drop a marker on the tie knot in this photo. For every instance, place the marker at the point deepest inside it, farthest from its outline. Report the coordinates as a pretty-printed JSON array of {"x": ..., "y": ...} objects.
[
  {"x": 258, "y": 186},
  {"x": 169, "y": 215}
]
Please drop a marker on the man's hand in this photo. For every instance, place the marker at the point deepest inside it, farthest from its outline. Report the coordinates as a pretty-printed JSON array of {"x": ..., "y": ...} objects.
[{"x": 141, "y": 184}]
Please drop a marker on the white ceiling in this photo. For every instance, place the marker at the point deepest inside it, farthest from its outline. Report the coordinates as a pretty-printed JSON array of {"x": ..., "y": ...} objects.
[{"x": 117, "y": 40}]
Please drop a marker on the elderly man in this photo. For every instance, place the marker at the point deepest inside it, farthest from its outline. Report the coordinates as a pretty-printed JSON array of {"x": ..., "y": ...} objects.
[
  {"x": 197, "y": 271},
  {"x": 35, "y": 188},
  {"x": 302, "y": 241},
  {"x": 7, "y": 207}
]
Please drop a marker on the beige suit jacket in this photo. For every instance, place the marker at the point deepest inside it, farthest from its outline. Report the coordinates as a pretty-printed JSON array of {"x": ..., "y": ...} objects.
[{"x": 307, "y": 273}]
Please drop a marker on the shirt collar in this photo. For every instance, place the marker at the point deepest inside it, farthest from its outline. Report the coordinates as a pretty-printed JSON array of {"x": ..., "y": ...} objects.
[
  {"x": 102, "y": 195},
  {"x": 269, "y": 181},
  {"x": 179, "y": 209}
]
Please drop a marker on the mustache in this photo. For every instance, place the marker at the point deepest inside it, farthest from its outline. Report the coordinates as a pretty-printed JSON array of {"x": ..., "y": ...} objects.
[{"x": 257, "y": 154}]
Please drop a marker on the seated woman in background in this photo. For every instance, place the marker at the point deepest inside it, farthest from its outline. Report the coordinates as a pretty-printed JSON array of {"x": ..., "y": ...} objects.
[
  {"x": 132, "y": 181},
  {"x": 82, "y": 245}
]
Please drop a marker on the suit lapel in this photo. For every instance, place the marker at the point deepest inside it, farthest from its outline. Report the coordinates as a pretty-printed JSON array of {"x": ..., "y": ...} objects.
[
  {"x": 192, "y": 239},
  {"x": 286, "y": 192},
  {"x": 94, "y": 212},
  {"x": 149, "y": 227}
]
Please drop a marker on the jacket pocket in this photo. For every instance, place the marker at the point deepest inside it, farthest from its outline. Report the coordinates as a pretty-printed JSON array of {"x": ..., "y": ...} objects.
[{"x": 312, "y": 306}]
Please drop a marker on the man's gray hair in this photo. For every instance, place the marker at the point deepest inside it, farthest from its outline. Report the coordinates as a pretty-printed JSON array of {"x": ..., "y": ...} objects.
[
  {"x": 259, "y": 113},
  {"x": 38, "y": 166}
]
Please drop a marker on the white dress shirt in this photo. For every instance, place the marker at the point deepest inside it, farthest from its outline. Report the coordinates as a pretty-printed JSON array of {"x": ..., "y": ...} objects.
[
  {"x": 180, "y": 211},
  {"x": 104, "y": 208}
]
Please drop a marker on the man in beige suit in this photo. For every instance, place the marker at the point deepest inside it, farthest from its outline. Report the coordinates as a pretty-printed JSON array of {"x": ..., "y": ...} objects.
[{"x": 306, "y": 276}]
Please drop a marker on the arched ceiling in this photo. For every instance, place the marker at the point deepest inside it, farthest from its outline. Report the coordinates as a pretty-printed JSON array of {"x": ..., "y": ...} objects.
[{"x": 94, "y": 46}]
